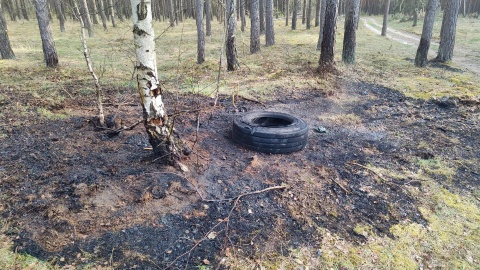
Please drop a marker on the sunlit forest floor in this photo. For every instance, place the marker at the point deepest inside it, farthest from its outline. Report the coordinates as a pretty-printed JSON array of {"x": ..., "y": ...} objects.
[{"x": 392, "y": 184}]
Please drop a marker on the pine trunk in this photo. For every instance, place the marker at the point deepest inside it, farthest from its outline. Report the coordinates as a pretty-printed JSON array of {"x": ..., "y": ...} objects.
[
  {"x": 349, "y": 39},
  {"x": 328, "y": 41},
  {"x": 208, "y": 19},
  {"x": 158, "y": 127},
  {"x": 230, "y": 39},
  {"x": 269, "y": 29},
  {"x": 243, "y": 22},
  {"x": 286, "y": 12},
  {"x": 304, "y": 11},
  {"x": 309, "y": 13},
  {"x": 60, "y": 15},
  {"x": 322, "y": 23},
  {"x": 386, "y": 11},
  {"x": 5, "y": 47},
  {"x": 424, "y": 46},
  {"x": 48, "y": 45},
  {"x": 24, "y": 9},
  {"x": 447, "y": 32},
  {"x": 317, "y": 13},
  {"x": 171, "y": 12},
  {"x": 255, "y": 26},
  {"x": 200, "y": 33},
  {"x": 261, "y": 4},
  {"x": 294, "y": 14}
]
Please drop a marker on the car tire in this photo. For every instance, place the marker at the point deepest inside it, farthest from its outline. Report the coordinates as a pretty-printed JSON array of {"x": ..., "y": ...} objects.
[{"x": 270, "y": 132}]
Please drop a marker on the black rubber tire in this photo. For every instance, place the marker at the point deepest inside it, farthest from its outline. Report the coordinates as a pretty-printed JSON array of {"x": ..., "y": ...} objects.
[{"x": 270, "y": 132}]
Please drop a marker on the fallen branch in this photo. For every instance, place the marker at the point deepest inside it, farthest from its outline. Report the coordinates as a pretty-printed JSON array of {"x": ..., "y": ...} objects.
[
  {"x": 344, "y": 189},
  {"x": 226, "y": 220},
  {"x": 371, "y": 170}
]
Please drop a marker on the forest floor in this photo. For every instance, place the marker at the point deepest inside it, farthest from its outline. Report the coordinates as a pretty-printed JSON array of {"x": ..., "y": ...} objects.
[{"x": 388, "y": 180}]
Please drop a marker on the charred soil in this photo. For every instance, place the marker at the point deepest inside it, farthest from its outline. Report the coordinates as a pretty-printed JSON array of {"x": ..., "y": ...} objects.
[{"x": 77, "y": 195}]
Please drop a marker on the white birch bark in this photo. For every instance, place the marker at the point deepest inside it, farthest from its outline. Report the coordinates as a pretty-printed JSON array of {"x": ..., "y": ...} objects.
[{"x": 160, "y": 132}]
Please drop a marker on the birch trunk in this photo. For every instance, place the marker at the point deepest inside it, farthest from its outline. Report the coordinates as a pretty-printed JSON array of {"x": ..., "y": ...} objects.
[
  {"x": 48, "y": 45},
  {"x": 159, "y": 128},
  {"x": 112, "y": 13},
  {"x": 102, "y": 14}
]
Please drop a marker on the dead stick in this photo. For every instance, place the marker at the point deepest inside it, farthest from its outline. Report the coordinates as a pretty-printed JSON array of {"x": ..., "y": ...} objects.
[
  {"x": 246, "y": 194},
  {"x": 371, "y": 170},
  {"x": 344, "y": 189},
  {"x": 227, "y": 219}
]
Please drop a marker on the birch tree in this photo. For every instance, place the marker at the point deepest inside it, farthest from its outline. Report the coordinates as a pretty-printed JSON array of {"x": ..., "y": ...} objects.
[
  {"x": 5, "y": 47},
  {"x": 48, "y": 45},
  {"x": 157, "y": 124}
]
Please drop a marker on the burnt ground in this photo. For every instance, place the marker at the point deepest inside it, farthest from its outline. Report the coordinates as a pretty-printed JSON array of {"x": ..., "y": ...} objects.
[{"x": 75, "y": 195}]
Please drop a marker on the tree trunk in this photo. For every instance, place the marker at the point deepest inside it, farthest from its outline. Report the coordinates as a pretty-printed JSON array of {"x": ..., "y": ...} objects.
[
  {"x": 309, "y": 13},
  {"x": 424, "y": 46},
  {"x": 255, "y": 26},
  {"x": 60, "y": 15},
  {"x": 10, "y": 10},
  {"x": 328, "y": 42},
  {"x": 48, "y": 45},
  {"x": 86, "y": 16},
  {"x": 231, "y": 24},
  {"x": 102, "y": 14},
  {"x": 112, "y": 13},
  {"x": 94, "y": 11},
  {"x": 171, "y": 13},
  {"x": 349, "y": 38},
  {"x": 208, "y": 14},
  {"x": 242, "y": 15},
  {"x": 294, "y": 14},
  {"x": 287, "y": 12},
  {"x": 322, "y": 23},
  {"x": 24, "y": 9},
  {"x": 304, "y": 11},
  {"x": 385, "y": 17},
  {"x": 447, "y": 32},
  {"x": 269, "y": 29},
  {"x": 200, "y": 33},
  {"x": 261, "y": 4},
  {"x": 17, "y": 9},
  {"x": 317, "y": 13},
  {"x": 5, "y": 47},
  {"x": 159, "y": 128}
]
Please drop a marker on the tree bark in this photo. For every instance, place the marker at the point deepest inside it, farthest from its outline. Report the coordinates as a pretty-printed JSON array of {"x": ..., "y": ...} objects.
[
  {"x": 385, "y": 17},
  {"x": 317, "y": 13},
  {"x": 230, "y": 39},
  {"x": 242, "y": 15},
  {"x": 326, "y": 61},
  {"x": 112, "y": 13},
  {"x": 208, "y": 19},
  {"x": 322, "y": 23},
  {"x": 171, "y": 13},
  {"x": 255, "y": 26},
  {"x": 94, "y": 11},
  {"x": 294, "y": 14},
  {"x": 5, "y": 47},
  {"x": 304, "y": 11},
  {"x": 261, "y": 4},
  {"x": 349, "y": 38},
  {"x": 200, "y": 33},
  {"x": 24, "y": 9},
  {"x": 424, "y": 46},
  {"x": 60, "y": 15},
  {"x": 157, "y": 124},
  {"x": 309, "y": 14},
  {"x": 269, "y": 27},
  {"x": 447, "y": 32},
  {"x": 102, "y": 14},
  {"x": 86, "y": 16},
  {"x": 286, "y": 12},
  {"x": 48, "y": 45}
]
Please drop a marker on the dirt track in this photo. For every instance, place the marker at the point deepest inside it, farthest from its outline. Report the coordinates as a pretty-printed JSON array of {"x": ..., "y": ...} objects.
[{"x": 463, "y": 57}]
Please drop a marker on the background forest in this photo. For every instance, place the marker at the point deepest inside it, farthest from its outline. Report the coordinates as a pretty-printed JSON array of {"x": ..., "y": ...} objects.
[{"x": 388, "y": 180}]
